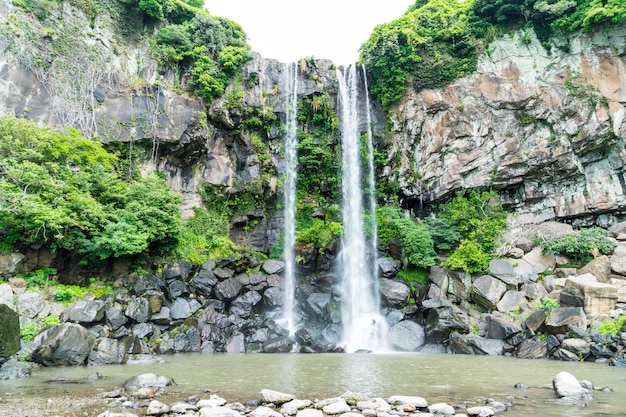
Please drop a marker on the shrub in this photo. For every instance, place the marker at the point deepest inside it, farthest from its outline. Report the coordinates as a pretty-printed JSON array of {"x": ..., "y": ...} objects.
[
  {"x": 469, "y": 257},
  {"x": 29, "y": 331},
  {"x": 580, "y": 244},
  {"x": 612, "y": 327}
]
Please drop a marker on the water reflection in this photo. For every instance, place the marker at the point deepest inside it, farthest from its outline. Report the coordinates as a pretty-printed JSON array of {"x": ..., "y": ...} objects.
[{"x": 453, "y": 378}]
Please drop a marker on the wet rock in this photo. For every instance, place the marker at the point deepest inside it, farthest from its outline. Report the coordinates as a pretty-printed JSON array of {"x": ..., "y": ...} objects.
[
  {"x": 292, "y": 407},
  {"x": 487, "y": 291},
  {"x": 444, "y": 320},
  {"x": 566, "y": 385},
  {"x": 148, "y": 380},
  {"x": 439, "y": 276},
  {"x": 176, "y": 289},
  {"x": 263, "y": 411},
  {"x": 138, "y": 309},
  {"x": 242, "y": 305},
  {"x": 317, "y": 302},
  {"x": 387, "y": 267},
  {"x": 278, "y": 345},
  {"x": 561, "y": 318},
  {"x": 272, "y": 266},
  {"x": 157, "y": 408},
  {"x": 218, "y": 412},
  {"x": 9, "y": 332},
  {"x": 69, "y": 344},
  {"x": 107, "y": 352},
  {"x": 536, "y": 320},
  {"x": 84, "y": 312},
  {"x": 459, "y": 285},
  {"x": 204, "y": 282},
  {"x": 481, "y": 411},
  {"x": 393, "y": 293},
  {"x": 12, "y": 369},
  {"x": 276, "y": 397},
  {"x": 475, "y": 345},
  {"x": 534, "y": 348},
  {"x": 274, "y": 296},
  {"x": 441, "y": 409},
  {"x": 406, "y": 335},
  {"x": 228, "y": 289}
]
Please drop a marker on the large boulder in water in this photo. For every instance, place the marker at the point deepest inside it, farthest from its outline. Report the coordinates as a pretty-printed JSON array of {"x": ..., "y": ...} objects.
[
  {"x": 150, "y": 381},
  {"x": 567, "y": 386},
  {"x": 406, "y": 335},
  {"x": 69, "y": 344},
  {"x": 9, "y": 332}
]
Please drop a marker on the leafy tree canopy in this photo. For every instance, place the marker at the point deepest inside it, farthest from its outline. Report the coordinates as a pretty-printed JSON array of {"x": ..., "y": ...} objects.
[{"x": 61, "y": 190}]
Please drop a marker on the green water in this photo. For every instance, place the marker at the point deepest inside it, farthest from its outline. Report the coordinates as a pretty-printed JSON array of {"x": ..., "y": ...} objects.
[{"x": 449, "y": 378}]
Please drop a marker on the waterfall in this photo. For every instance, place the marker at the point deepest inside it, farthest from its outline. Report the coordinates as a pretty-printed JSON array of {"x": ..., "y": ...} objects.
[
  {"x": 363, "y": 326},
  {"x": 289, "y": 191}
]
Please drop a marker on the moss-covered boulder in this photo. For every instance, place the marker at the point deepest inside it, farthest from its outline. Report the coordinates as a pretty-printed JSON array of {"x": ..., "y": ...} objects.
[{"x": 9, "y": 332}]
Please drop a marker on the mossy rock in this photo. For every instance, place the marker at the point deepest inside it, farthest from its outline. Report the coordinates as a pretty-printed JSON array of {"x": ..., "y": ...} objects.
[{"x": 9, "y": 332}]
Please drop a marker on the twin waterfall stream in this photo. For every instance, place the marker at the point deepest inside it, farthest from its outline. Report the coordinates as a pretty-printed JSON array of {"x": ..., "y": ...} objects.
[{"x": 363, "y": 327}]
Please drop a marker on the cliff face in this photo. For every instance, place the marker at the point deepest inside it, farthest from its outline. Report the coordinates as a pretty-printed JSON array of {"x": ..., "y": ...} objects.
[{"x": 547, "y": 130}]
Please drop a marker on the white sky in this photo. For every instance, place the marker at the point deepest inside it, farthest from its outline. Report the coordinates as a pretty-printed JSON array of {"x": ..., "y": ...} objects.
[{"x": 288, "y": 30}]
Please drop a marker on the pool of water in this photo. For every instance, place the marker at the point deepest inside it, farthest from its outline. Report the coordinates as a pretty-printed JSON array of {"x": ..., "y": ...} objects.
[{"x": 450, "y": 378}]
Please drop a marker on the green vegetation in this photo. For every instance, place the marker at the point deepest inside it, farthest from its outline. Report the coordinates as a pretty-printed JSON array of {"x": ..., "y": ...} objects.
[
  {"x": 549, "y": 303},
  {"x": 212, "y": 48},
  {"x": 580, "y": 245},
  {"x": 428, "y": 47},
  {"x": 61, "y": 190},
  {"x": 480, "y": 219},
  {"x": 437, "y": 41},
  {"x": 612, "y": 327}
]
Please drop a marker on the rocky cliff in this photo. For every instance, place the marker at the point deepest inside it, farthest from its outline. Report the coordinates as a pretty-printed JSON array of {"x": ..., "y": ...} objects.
[{"x": 546, "y": 129}]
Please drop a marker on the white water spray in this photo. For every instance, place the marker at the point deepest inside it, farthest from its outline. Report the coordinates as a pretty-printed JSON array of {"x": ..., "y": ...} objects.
[
  {"x": 289, "y": 190},
  {"x": 363, "y": 326}
]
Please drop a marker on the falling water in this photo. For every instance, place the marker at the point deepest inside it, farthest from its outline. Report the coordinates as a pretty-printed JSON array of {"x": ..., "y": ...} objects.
[
  {"x": 289, "y": 190},
  {"x": 371, "y": 182},
  {"x": 363, "y": 326}
]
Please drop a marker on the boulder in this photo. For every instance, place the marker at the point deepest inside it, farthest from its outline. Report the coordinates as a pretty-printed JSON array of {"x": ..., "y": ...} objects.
[
  {"x": 338, "y": 407},
  {"x": 562, "y": 317},
  {"x": 107, "y": 352},
  {"x": 148, "y": 380},
  {"x": 475, "y": 345},
  {"x": 394, "y": 293},
  {"x": 157, "y": 408},
  {"x": 276, "y": 397},
  {"x": 567, "y": 386},
  {"x": 600, "y": 268},
  {"x": 84, "y": 312},
  {"x": 513, "y": 301},
  {"x": 263, "y": 411},
  {"x": 441, "y": 409},
  {"x": 180, "y": 309},
  {"x": 14, "y": 369},
  {"x": 439, "y": 276},
  {"x": 69, "y": 344},
  {"x": 203, "y": 283},
  {"x": 218, "y": 412},
  {"x": 291, "y": 408},
  {"x": 406, "y": 335},
  {"x": 459, "y": 285},
  {"x": 274, "y": 296},
  {"x": 138, "y": 309},
  {"x": 387, "y": 267},
  {"x": 115, "y": 318},
  {"x": 503, "y": 270},
  {"x": 550, "y": 230},
  {"x": 317, "y": 302},
  {"x": 487, "y": 291},
  {"x": 444, "y": 320},
  {"x": 571, "y": 297},
  {"x": 599, "y": 297},
  {"x": 536, "y": 320},
  {"x": 6, "y": 295},
  {"x": 175, "y": 289},
  {"x": 11, "y": 263},
  {"x": 228, "y": 289},
  {"x": 30, "y": 304},
  {"x": 272, "y": 266},
  {"x": 417, "y": 402},
  {"x": 534, "y": 348},
  {"x": 618, "y": 259},
  {"x": 9, "y": 332},
  {"x": 242, "y": 305},
  {"x": 501, "y": 328},
  {"x": 278, "y": 345},
  {"x": 539, "y": 262},
  {"x": 579, "y": 347}
]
